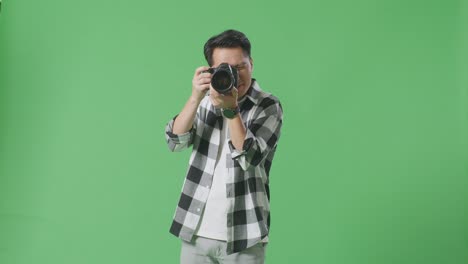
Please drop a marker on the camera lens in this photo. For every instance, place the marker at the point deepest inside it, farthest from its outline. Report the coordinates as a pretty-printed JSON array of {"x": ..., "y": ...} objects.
[
  {"x": 221, "y": 81},
  {"x": 224, "y": 78}
]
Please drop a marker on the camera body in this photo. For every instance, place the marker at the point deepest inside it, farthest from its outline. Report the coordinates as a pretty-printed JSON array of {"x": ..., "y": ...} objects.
[{"x": 223, "y": 78}]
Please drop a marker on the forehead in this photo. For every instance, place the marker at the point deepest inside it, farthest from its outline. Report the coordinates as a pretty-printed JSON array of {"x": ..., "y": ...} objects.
[{"x": 231, "y": 56}]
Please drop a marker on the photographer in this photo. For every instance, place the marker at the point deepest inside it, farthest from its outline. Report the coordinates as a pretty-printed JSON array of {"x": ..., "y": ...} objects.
[{"x": 233, "y": 127}]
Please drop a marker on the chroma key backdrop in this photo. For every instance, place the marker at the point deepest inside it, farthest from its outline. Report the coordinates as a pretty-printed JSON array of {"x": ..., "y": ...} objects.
[{"x": 372, "y": 162}]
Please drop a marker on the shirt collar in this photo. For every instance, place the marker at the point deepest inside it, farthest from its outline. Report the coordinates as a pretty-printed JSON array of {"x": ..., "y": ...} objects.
[{"x": 252, "y": 92}]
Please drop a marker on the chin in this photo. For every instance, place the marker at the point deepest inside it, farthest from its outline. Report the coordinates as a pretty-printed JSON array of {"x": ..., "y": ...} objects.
[{"x": 242, "y": 88}]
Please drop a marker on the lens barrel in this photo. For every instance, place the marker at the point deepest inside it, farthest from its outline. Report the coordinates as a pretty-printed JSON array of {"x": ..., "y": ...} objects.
[{"x": 224, "y": 78}]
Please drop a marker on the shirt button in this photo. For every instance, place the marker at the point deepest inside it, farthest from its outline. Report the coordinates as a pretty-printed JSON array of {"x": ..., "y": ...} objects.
[
  {"x": 208, "y": 186},
  {"x": 198, "y": 209}
]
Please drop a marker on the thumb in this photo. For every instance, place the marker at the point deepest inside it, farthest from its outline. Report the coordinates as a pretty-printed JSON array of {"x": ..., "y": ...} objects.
[{"x": 234, "y": 91}]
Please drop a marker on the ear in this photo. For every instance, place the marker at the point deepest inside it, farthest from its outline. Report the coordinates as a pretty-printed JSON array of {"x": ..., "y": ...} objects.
[{"x": 251, "y": 63}]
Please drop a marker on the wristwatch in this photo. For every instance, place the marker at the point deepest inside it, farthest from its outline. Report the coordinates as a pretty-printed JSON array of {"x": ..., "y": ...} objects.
[{"x": 230, "y": 113}]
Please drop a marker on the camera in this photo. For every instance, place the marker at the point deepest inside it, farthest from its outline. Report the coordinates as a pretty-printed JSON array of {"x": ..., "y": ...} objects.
[{"x": 223, "y": 78}]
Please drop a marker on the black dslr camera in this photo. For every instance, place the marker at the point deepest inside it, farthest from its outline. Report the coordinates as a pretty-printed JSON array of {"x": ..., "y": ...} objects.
[{"x": 223, "y": 78}]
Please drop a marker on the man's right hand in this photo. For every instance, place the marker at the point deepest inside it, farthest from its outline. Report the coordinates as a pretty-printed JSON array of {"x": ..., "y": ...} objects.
[{"x": 200, "y": 83}]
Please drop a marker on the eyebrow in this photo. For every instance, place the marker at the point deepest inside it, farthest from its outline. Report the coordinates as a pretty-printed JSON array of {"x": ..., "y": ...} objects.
[{"x": 240, "y": 64}]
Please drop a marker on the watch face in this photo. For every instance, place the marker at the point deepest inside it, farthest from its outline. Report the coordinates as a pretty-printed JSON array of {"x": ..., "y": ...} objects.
[{"x": 228, "y": 113}]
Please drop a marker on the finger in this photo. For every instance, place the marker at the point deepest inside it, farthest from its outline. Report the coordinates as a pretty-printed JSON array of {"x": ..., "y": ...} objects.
[
  {"x": 214, "y": 100},
  {"x": 199, "y": 70},
  {"x": 205, "y": 75},
  {"x": 213, "y": 91},
  {"x": 204, "y": 80},
  {"x": 217, "y": 95},
  {"x": 205, "y": 87},
  {"x": 234, "y": 91}
]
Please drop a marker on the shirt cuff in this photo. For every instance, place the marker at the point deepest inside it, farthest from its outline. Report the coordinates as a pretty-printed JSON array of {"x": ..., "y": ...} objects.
[
  {"x": 235, "y": 153},
  {"x": 178, "y": 138}
]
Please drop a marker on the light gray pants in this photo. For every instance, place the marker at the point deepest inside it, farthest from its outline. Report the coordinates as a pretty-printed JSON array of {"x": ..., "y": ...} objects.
[{"x": 206, "y": 250}]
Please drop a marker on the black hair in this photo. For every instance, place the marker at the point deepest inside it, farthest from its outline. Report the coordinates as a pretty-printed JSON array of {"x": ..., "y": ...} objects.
[{"x": 227, "y": 39}]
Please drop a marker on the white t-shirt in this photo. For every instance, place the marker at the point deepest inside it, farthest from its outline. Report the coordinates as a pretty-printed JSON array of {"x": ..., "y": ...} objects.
[{"x": 213, "y": 222}]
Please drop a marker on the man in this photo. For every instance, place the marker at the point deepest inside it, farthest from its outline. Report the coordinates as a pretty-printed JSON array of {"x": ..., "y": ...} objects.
[{"x": 223, "y": 215}]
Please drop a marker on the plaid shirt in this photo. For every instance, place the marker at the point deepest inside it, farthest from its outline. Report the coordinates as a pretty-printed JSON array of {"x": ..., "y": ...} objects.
[{"x": 247, "y": 183}]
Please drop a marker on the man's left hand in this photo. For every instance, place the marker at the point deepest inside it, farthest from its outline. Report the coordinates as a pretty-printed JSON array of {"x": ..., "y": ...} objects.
[{"x": 224, "y": 100}]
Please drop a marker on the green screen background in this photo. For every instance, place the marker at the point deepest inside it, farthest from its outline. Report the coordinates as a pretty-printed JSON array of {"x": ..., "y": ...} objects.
[{"x": 371, "y": 167}]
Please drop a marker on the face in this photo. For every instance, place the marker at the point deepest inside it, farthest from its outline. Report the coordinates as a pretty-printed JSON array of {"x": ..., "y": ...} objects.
[{"x": 236, "y": 57}]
